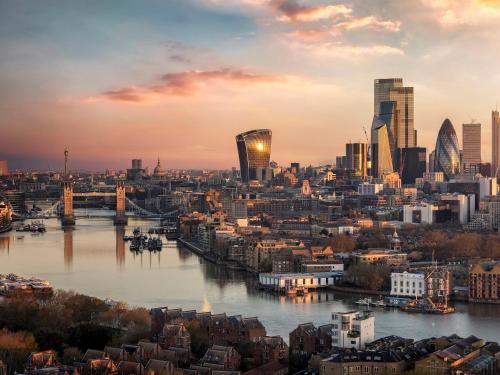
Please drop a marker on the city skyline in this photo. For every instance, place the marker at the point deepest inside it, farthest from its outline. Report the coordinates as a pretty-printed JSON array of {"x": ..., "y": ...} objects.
[{"x": 157, "y": 80}]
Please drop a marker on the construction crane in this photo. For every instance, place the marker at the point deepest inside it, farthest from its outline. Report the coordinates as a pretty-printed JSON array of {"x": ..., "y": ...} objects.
[{"x": 368, "y": 147}]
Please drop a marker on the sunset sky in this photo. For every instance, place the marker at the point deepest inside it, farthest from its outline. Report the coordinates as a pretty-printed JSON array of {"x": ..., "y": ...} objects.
[{"x": 178, "y": 79}]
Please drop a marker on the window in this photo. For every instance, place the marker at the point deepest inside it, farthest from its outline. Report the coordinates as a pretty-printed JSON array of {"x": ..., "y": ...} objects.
[
  {"x": 375, "y": 369},
  {"x": 366, "y": 369}
]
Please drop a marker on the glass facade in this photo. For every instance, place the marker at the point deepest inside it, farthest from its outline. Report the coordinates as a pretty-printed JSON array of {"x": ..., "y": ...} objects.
[
  {"x": 447, "y": 158},
  {"x": 381, "y": 151},
  {"x": 254, "y": 151}
]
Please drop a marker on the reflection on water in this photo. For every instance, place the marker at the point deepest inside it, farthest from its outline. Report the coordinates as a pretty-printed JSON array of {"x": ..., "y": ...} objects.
[
  {"x": 68, "y": 247},
  {"x": 93, "y": 259},
  {"x": 5, "y": 243},
  {"x": 120, "y": 246}
]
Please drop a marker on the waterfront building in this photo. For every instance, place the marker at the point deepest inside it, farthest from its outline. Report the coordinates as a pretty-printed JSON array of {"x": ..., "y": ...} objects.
[
  {"x": 406, "y": 284},
  {"x": 4, "y": 168},
  {"x": 254, "y": 151},
  {"x": 6, "y": 213},
  {"x": 471, "y": 144},
  {"x": 495, "y": 143},
  {"x": 356, "y": 157},
  {"x": 288, "y": 282},
  {"x": 484, "y": 283},
  {"x": 353, "y": 329},
  {"x": 260, "y": 254},
  {"x": 447, "y": 151}
]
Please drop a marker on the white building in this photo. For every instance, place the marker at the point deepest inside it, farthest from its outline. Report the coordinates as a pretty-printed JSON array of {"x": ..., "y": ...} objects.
[
  {"x": 286, "y": 281},
  {"x": 422, "y": 213},
  {"x": 464, "y": 205},
  {"x": 406, "y": 284},
  {"x": 370, "y": 189},
  {"x": 353, "y": 329}
]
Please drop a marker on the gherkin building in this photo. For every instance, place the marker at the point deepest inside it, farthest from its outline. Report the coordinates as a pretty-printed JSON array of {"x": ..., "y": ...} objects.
[{"x": 447, "y": 159}]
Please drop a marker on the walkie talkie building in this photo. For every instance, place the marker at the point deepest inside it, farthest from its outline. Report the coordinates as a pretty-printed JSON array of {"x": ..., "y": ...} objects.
[{"x": 254, "y": 151}]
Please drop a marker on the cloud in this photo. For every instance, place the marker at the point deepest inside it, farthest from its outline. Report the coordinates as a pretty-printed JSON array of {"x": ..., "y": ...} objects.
[
  {"x": 350, "y": 23},
  {"x": 347, "y": 51},
  {"x": 291, "y": 10},
  {"x": 452, "y": 13},
  {"x": 183, "y": 84}
]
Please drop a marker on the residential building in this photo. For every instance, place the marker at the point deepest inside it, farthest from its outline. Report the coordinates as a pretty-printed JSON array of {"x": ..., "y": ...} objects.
[
  {"x": 353, "y": 329},
  {"x": 363, "y": 363},
  {"x": 484, "y": 283}
]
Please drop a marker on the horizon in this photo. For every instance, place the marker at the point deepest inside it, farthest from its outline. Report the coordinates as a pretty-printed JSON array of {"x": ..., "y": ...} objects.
[{"x": 180, "y": 80}]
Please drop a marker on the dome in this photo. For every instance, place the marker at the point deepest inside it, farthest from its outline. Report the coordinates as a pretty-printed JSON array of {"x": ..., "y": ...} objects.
[
  {"x": 159, "y": 171},
  {"x": 447, "y": 159}
]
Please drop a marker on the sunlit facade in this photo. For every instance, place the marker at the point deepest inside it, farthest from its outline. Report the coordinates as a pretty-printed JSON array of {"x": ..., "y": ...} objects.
[
  {"x": 381, "y": 150},
  {"x": 254, "y": 151},
  {"x": 5, "y": 214},
  {"x": 447, "y": 158},
  {"x": 495, "y": 143}
]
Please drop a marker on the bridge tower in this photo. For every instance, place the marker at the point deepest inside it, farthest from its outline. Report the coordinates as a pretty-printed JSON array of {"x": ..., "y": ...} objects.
[
  {"x": 68, "y": 218},
  {"x": 120, "y": 217}
]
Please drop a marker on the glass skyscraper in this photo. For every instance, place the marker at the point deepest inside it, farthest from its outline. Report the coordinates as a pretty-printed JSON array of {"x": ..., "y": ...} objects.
[
  {"x": 495, "y": 143},
  {"x": 381, "y": 151},
  {"x": 447, "y": 158},
  {"x": 254, "y": 151}
]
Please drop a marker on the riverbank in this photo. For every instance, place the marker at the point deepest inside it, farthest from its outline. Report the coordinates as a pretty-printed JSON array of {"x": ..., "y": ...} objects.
[
  {"x": 351, "y": 290},
  {"x": 197, "y": 250}
]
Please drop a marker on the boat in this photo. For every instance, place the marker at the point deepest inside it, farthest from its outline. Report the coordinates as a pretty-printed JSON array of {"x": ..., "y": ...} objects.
[
  {"x": 379, "y": 303},
  {"x": 364, "y": 301}
]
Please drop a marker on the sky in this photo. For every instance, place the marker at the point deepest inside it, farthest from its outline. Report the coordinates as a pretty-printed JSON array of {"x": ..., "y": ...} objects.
[{"x": 178, "y": 79}]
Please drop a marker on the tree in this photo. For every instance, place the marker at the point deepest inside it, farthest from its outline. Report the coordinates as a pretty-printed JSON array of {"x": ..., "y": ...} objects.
[{"x": 15, "y": 347}]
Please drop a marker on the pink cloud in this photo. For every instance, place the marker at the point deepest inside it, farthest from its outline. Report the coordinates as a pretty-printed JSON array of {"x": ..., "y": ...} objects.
[
  {"x": 293, "y": 11},
  {"x": 186, "y": 83}
]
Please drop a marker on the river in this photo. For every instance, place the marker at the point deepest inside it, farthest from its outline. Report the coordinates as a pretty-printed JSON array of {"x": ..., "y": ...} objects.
[{"x": 93, "y": 259}]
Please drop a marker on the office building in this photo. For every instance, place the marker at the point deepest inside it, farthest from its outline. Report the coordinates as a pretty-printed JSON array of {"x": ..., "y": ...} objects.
[
  {"x": 353, "y": 329},
  {"x": 405, "y": 133},
  {"x": 447, "y": 159},
  {"x": 432, "y": 161},
  {"x": 421, "y": 213},
  {"x": 471, "y": 143},
  {"x": 412, "y": 162},
  {"x": 254, "y": 151},
  {"x": 4, "y": 168},
  {"x": 495, "y": 143},
  {"x": 382, "y": 161},
  {"x": 356, "y": 158},
  {"x": 136, "y": 173},
  {"x": 392, "y": 100}
]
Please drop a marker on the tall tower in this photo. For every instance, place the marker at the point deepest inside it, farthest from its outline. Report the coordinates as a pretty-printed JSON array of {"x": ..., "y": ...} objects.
[
  {"x": 495, "y": 143},
  {"x": 254, "y": 151},
  {"x": 356, "y": 158},
  {"x": 68, "y": 218},
  {"x": 471, "y": 145},
  {"x": 120, "y": 217}
]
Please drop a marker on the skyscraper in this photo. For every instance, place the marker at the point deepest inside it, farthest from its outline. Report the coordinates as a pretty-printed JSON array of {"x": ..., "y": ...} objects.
[
  {"x": 403, "y": 134},
  {"x": 388, "y": 114},
  {"x": 356, "y": 158},
  {"x": 4, "y": 169},
  {"x": 381, "y": 151},
  {"x": 382, "y": 89},
  {"x": 254, "y": 151},
  {"x": 471, "y": 143},
  {"x": 495, "y": 143},
  {"x": 412, "y": 163},
  {"x": 447, "y": 158}
]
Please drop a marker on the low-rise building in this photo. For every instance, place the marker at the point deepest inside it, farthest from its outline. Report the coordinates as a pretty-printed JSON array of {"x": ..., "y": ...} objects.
[
  {"x": 353, "y": 329},
  {"x": 484, "y": 283}
]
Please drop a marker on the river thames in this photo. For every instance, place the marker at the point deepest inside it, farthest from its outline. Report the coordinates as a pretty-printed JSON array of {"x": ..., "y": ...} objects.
[{"x": 93, "y": 259}]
